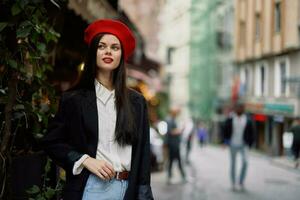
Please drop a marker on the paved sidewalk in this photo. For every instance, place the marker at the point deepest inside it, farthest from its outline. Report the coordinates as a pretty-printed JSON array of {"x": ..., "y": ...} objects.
[
  {"x": 285, "y": 162},
  {"x": 208, "y": 178}
]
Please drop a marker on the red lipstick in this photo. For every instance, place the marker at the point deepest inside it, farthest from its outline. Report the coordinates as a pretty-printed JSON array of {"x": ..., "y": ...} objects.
[{"x": 108, "y": 60}]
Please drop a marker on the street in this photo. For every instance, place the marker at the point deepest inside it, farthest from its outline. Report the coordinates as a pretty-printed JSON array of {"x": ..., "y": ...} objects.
[{"x": 208, "y": 178}]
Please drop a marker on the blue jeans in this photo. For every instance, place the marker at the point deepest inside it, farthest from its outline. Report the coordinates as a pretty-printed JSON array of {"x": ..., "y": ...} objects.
[
  {"x": 233, "y": 153},
  {"x": 98, "y": 189}
]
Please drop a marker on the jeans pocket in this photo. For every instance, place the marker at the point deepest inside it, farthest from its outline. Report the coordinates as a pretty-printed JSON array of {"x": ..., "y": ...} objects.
[{"x": 97, "y": 185}]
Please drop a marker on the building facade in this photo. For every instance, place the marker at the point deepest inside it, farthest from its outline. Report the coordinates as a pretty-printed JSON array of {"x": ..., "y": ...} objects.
[
  {"x": 144, "y": 14},
  {"x": 225, "y": 70},
  {"x": 224, "y": 42},
  {"x": 174, "y": 51},
  {"x": 267, "y": 55},
  {"x": 188, "y": 50},
  {"x": 202, "y": 76}
]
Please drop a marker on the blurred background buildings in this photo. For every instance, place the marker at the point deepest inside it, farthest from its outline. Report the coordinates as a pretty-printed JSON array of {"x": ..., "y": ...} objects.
[{"x": 267, "y": 59}]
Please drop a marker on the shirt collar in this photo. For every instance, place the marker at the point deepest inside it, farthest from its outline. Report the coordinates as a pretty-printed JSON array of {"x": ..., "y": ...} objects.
[
  {"x": 102, "y": 93},
  {"x": 239, "y": 117}
]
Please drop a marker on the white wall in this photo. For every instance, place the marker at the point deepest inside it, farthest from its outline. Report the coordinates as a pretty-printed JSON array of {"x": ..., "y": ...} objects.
[{"x": 175, "y": 32}]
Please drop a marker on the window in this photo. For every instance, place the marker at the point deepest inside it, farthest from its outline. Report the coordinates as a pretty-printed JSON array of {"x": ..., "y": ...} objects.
[
  {"x": 261, "y": 80},
  {"x": 257, "y": 27},
  {"x": 242, "y": 34},
  {"x": 223, "y": 40},
  {"x": 277, "y": 16},
  {"x": 242, "y": 88},
  {"x": 170, "y": 51},
  {"x": 220, "y": 41},
  {"x": 245, "y": 81},
  {"x": 281, "y": 73}
]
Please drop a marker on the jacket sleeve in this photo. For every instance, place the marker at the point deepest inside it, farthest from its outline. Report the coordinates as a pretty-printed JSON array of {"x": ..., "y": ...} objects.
[
  {"x": 226, "y": 131},
  {"x": 252, "y": 133},
  {"x": 144, "y": 188},
  {"x": 55, "y": 142}
]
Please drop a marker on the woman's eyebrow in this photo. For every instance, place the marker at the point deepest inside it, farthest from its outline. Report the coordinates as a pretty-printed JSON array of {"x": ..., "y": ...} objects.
[{"x": 111, "y": 44}]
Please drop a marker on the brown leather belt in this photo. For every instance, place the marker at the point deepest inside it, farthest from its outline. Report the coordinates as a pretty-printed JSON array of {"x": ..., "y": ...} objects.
[{"x": 122, "y": 175}]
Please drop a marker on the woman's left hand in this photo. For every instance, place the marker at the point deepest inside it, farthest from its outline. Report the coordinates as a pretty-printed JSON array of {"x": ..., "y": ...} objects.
[{"x": 100, "y": 168}]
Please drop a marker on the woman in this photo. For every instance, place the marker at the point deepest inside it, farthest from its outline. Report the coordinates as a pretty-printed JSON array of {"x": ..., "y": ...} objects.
[{"x": 100, "y": 134}]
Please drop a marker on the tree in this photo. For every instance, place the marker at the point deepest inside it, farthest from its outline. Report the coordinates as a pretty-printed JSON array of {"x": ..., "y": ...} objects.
[{"x": 27, "y": 49}]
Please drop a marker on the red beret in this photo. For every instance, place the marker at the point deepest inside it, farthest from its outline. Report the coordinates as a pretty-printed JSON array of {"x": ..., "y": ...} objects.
[{"x": 117, "y": 28}]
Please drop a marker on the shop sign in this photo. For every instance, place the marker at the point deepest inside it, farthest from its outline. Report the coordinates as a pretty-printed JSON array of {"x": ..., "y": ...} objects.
[
  {"x": 260, "y": 117},
  {"x": 254, "y": 107},
  {"x": 279, "y": 108}
]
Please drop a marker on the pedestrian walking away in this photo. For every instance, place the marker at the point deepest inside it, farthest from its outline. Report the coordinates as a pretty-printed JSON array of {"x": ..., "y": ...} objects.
[
  {"x": 296, "y": 141},
  {"x": 187, "y": 134},
  {"x": 173, "y": 139},
  {"x": 100, "y": 134},
  {"x": 202, "y": 134},
  {"x": 239, "y": 135}
]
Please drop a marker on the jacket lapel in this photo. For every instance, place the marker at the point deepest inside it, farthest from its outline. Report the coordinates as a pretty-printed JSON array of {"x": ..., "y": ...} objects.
[{"x": 90, "y": 114}]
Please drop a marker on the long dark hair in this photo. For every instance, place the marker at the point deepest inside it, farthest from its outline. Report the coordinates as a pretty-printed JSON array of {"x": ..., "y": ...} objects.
[{"x": 125, "y": 133}]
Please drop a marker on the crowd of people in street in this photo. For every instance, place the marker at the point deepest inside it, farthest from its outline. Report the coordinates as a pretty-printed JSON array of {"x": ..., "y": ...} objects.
[{"x": 237, "y": 132}]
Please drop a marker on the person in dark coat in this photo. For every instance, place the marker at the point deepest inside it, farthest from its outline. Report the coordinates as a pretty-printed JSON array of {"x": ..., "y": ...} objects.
[
  {"x": 172, "y": 140},
  {"x": 100, "y": 134},
  {"x": 296, "y": 141},
  {"x": 239, "y": 134}
]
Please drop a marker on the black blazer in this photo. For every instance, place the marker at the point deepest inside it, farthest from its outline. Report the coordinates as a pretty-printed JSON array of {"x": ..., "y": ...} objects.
[
  {"x": 249, "y": 132},
  {"x": 74, "y": 132}
]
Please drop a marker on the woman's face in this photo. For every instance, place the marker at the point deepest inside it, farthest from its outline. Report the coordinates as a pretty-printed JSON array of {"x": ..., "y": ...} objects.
[{"x": 108, "y": 53}]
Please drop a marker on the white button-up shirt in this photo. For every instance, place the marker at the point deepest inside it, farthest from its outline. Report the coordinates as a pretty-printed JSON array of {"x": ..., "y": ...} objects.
[{"x": 108, "y": 149}]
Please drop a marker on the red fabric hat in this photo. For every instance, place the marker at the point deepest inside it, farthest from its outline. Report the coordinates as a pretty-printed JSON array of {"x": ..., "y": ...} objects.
[{"x": 117, "y": 28}]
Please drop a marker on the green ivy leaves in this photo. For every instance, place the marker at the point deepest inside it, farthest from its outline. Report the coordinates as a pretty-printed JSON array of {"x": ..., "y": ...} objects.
[
  {"x": 3, "y": 25},
  {"x": 44, "y": 192},
  {"x": 24, "y": 29},
  {"x": 15, "y": 9}
]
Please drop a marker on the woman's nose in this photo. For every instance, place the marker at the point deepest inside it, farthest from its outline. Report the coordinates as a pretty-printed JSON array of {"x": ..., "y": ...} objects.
[{"x": 107, "y": 50}]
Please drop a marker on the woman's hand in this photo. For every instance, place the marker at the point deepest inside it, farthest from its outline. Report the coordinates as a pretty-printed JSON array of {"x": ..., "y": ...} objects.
[{"x": 100, "y": 168}]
